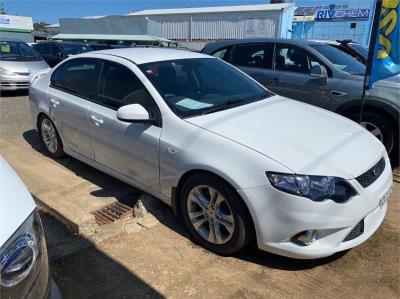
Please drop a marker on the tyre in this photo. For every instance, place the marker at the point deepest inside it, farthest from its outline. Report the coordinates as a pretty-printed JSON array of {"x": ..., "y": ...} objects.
[
  {"x": 381, "y": 128},
  {"x": 50, "y": 137},
  {"x": 215, "y": 214}
]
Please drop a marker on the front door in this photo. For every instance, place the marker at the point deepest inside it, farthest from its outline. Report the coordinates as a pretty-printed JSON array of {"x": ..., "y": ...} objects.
[
  {"x": 130, "y": 149},
  {"x": 72, "y": 86},
  {"x": 291, "y": 77}
]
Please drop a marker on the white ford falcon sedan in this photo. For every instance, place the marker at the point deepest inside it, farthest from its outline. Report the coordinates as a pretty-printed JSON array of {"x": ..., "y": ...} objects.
[{"x": 235, "y": 161}]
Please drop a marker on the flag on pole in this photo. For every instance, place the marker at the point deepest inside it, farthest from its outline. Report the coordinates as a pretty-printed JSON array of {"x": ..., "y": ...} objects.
[{"x": 384, "y": 48}]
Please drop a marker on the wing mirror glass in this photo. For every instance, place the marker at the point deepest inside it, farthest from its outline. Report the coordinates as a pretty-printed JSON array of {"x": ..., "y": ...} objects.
[{"x": 134, "y": 113}]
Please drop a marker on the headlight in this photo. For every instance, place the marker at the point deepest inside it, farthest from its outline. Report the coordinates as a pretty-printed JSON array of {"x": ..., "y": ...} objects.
[
  {"x": 6, "y": 73},
  {"x": 22, "y": 258},
  {"x": 317, "y": 188}
]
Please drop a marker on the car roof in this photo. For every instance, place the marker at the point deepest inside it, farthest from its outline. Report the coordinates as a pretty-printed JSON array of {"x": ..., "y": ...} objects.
[
  {"x": 140, "y": 55},
  {"x": 225, "y": 43}
]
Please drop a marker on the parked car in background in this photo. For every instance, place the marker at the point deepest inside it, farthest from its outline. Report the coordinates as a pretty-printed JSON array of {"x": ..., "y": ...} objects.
[
  {"x": 98, "y": 47},
  {"x": 56, "y": 51},
  {"x": 18, "y": 63},
  {"x": 233, "y": 159},
  {"x": 318, "y": 74},
  {"x": 24, "y": 265}
]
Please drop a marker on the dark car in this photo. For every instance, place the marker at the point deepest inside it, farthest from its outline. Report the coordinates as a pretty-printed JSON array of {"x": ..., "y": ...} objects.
[
  {"x": 54, "y": 52},
  {"x": 319, "y": 74},
  {"x": 98, "y": 47}
]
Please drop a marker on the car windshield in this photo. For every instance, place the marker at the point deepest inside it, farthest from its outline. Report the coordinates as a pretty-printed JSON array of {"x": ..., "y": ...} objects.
[
  {"x": 341, "y": 60},
  {"x": 73, "y": 49},
  {"x": 198, "y": 86},
  {"x": 17, "y": 51},
  {"x": 360, "y": 49}
]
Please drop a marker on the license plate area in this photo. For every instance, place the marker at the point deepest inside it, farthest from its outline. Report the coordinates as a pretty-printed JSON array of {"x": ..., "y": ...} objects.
[{"x": 385, "y": 197}]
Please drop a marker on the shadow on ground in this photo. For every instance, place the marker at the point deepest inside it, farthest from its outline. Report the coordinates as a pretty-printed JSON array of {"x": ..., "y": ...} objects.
[
  {"x": 82, "y": 271},
  {"x": 13, "y": 93},
  {"x": 110, "y": 186}
]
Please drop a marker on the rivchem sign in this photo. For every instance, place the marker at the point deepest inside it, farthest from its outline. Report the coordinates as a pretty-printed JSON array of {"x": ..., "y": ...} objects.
[
  {"x": 360, "y": 14},
  {"x": 16, "y": 23}
]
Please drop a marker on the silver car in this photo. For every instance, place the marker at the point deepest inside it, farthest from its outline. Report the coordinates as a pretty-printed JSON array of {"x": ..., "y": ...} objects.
[
  {"x": 19, "y": 63},
  {"x": 233, "y": 159}
]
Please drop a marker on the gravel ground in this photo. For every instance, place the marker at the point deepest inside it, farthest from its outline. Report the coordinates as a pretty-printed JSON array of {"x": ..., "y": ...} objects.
[{"x": 162, "y": 262}]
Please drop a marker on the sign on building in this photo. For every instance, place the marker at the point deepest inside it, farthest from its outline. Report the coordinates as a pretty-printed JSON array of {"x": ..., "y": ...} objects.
[
  {"x": 16, "y": 23},
  {"x": 361, "y": 14}
]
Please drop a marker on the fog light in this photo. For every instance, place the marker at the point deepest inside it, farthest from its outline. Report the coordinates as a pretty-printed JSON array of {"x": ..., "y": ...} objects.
[{"x": 306, "y": 237}]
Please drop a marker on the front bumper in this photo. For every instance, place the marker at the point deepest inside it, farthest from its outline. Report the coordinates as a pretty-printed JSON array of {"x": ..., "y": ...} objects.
[
  {"x": 17, "y": 82},
  {"x": 279, "y": 216}
]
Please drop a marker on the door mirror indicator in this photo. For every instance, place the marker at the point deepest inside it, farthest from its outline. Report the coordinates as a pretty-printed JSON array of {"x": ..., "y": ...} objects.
[
  {"x": 319, "y": 71},
  {"x": 134, "y": 113}
]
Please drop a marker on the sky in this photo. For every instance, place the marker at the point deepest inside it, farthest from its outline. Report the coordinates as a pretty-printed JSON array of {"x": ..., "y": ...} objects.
[{"x": 51, "y": 10}]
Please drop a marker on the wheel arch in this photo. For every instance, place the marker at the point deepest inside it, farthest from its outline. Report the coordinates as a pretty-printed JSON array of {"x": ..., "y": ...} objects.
[{"x": 176, "y": 191}]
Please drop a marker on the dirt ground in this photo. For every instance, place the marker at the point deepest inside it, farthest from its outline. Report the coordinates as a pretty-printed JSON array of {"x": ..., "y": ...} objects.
[{"x": 162, "y": 262}]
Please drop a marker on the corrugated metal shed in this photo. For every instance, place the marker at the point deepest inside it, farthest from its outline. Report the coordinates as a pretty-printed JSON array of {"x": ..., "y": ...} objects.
[{"x": 226, "y": 22}]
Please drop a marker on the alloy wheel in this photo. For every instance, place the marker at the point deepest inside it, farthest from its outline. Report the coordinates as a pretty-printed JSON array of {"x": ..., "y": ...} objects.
[
  {"x": 373, "y": 129},
  {"x": 210, "y": 214},
  {"x": 49, "y": 135}
]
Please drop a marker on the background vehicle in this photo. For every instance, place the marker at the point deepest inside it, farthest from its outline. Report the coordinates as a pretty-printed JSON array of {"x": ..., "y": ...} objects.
[
  {"x": 18, "y": 63},
  {"x": 54, "y": 52},
  {"x": 229, "y": 156},
  {"x": 98, "y": 47},
  {"x": 317, "y": 74},
  {"x": 24, "y": 266}
]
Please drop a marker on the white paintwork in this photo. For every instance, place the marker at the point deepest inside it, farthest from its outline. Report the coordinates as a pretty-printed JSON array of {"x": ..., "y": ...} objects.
[
  {"x": 16, "y": 203},
  {"x": 239, "y": 144},
  {"x": 132, "y": 112}
]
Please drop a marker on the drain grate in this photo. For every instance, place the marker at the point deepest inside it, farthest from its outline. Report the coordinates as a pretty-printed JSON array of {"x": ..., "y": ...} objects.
[{"x": 112, "y": 213}]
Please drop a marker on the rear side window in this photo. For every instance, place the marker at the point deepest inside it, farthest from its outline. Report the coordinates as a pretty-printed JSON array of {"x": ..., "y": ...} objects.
[
  {"x": 119, "y": 86},
  {"x": 257, "y": 55},
  {"x": 222, "y": 53},
  {"x": 43, "y": 49},
  {"x": 77, "y": 76}
]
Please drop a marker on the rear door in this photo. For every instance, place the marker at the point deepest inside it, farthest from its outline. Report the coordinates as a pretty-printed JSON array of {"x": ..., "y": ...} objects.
[
  {"x": 45, "y": 50},
  {"x": 131, "y": 149},
  {"x": 253, "y": 59},
  {"x": 291, "y": 76},
  {"x": 73, "y": 86}
]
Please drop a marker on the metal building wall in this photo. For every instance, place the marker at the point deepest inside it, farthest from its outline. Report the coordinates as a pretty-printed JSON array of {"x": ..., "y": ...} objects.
[{"x": 214, "y": 26}]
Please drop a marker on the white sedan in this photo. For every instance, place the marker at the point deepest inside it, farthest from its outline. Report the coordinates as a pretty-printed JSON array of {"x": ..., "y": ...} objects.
[{"x": 233, "y": 159}]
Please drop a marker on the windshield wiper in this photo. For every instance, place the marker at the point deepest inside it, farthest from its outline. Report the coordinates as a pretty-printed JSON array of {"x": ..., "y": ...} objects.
[{"x": 222, "y": 106}]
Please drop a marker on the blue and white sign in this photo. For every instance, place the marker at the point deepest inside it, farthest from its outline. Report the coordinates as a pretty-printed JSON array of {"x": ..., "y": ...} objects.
[
  {"x": 361, "y": 14},
  {"x": 4, "y": 20}
]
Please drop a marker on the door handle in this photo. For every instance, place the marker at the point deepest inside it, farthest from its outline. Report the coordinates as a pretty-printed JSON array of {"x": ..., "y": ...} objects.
[
  {"x": 97, "y": 121},
  {"x": 55, "y": 102}
]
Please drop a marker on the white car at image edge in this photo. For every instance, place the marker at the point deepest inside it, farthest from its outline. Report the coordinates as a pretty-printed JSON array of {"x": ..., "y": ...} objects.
[
  {"x": 24, "y": 269},
  {"x": 235, "y": 161}
]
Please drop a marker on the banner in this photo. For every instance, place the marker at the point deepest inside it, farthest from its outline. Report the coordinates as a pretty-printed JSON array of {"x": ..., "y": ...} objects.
[{"x": 384, "y": 49}]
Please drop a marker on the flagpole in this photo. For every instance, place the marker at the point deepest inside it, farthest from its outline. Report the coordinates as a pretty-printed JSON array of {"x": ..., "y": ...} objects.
[{"x": 371, "y": 52}]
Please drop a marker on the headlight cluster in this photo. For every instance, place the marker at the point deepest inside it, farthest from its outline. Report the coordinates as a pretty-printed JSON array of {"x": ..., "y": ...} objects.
[
  {"x": 22, "y": 259},
  {"x": 316, "y": 188},
  {"x": 6, "y": 73}
]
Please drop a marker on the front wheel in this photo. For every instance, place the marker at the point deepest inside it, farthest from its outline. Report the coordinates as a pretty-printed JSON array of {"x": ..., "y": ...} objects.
[
  {"x": 50, "y": 137},
  {"x": 215, "y": 215}
]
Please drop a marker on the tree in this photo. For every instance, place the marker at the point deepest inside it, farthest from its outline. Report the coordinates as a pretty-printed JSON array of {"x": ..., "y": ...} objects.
[
  {"x": 40, "y": 26},
  {"x": 3, "y": 11}
]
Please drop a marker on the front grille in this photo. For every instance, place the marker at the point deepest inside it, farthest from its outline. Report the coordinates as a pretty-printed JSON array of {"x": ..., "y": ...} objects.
[
  {"x": 15, "y": 84},
  {"x": 370, "y": 176},
  {"x": 355, "y": 232}
]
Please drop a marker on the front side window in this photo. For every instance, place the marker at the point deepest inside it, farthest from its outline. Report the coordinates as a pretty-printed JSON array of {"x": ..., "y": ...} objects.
[
  {"x": 77, "y": 76},
  {"x": 258, "y": 55},
  {"x": 201, "y": 85},
  {"x": 119, "y": 86},
  {"x": 293, "y": 59},
  {"x": 17, "y": 51},
  {"x": 341, "y": 60}
]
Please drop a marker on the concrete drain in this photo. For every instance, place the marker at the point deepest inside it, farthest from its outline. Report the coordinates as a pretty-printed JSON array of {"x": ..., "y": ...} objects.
[{"x": 112, "y": 213}]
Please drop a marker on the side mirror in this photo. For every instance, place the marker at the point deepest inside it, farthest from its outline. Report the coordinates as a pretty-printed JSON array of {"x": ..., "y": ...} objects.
[
  {"x": 319, "y": 71},
  {"x": 134, "y": 113}
]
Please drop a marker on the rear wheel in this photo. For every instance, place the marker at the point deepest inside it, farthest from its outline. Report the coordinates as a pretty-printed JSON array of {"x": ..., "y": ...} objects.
[
  {"x": 381, "y": 128},
  {"x": 215, "y": 214},
  {"x": 50, "y": 137}
]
